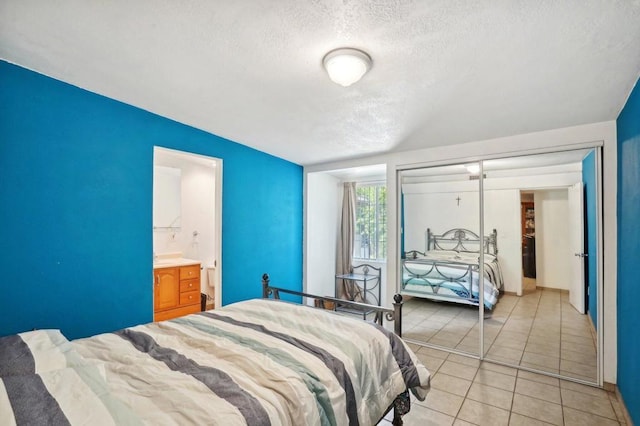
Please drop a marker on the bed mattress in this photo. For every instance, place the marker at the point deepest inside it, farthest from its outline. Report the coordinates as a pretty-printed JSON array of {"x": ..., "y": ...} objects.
[
  {"x": 452, "y": 276},
  {"x": 258, "y": 362}
]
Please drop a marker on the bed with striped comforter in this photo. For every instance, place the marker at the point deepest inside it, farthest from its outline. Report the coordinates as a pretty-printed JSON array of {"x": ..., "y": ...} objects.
[
  {"x": 451, "y": 276},
  {"x": 258, "y": 362}
]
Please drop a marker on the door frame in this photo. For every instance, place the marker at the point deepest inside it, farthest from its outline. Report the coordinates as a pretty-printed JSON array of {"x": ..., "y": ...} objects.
[
  {"x": 217, "y": 215},
  {"x": 218, "y": 232}
]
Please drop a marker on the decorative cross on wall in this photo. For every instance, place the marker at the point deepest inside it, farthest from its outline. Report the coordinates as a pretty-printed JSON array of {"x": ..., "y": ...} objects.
[{"x": 458, "y": 200}]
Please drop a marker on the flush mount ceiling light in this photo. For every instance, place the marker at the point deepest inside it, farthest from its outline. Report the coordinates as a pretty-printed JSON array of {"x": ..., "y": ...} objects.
[{"x": 345, "y": 66}]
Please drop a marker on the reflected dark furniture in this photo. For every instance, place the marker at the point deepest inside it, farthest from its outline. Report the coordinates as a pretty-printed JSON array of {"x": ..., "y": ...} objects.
[{"x": 529, "y": 256}]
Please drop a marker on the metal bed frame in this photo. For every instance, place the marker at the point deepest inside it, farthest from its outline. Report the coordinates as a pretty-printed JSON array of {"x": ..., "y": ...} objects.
[
  {"x": 461, "y": 240},
  {"x": 435, "y": 273},
  {"x": 401, "y": 404}
]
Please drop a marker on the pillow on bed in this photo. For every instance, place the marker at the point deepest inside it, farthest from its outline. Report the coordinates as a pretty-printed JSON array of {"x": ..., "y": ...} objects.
[
  {"x": 35, "y": 352},
  {"x": 490, "y": 257}
]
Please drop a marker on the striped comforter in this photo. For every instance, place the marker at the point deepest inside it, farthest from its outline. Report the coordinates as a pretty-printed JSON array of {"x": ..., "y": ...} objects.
[
  {"x": 259, "y": 362},
  {"x": 445, "y": 275}
]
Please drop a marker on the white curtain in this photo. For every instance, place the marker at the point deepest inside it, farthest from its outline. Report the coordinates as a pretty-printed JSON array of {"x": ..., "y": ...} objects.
[{"x": 347, "y": 289}]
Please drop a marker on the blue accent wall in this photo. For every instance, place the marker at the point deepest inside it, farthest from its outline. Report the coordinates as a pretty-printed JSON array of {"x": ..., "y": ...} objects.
[
  {"x": 628, "y": 129},
  {"x": 591, "y": 239},
  {"x": 76, "y": 176}
]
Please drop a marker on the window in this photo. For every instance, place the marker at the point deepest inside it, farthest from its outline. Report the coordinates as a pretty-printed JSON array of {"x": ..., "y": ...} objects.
[{"x": 371, "y": 222}]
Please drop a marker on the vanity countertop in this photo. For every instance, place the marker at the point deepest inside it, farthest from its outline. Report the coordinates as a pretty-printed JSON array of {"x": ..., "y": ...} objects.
[{"x": 172, "y": 262}]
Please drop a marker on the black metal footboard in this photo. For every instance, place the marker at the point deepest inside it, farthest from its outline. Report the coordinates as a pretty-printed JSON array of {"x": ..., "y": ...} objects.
[
  {"x": 392, "y": 315},
  {"x": 401, "y": 404}
]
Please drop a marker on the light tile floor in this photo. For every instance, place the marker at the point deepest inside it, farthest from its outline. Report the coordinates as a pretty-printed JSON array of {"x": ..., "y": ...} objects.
[
  {"x": 540, "y": 330},
  {"x": 466, "y": 391}
]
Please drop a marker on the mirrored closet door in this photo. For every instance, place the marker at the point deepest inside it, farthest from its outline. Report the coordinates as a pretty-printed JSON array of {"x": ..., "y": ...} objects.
[
  {"x": 441, "y": 218},
  {"x": 518, "y": 283},
  {"x": 545, "y": 207}
]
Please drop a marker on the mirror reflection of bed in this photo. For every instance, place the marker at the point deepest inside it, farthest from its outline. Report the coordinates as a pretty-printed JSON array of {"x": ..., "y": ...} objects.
[
  {"x": 537, "y": 313},
  {"x": 441, "y": 284},
  {"x": 449, "y": 269}
]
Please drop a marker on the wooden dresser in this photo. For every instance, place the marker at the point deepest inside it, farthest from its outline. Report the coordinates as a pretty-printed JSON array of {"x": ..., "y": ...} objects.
[{"x": 176, "y": 291}]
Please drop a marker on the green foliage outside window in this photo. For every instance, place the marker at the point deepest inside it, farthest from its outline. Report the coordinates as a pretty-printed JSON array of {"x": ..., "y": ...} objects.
[{"x": 371, "y": 222}]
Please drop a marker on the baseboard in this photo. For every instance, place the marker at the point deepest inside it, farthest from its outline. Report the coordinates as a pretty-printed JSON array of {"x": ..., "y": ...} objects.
[
  {"x": 623, "y": 406},
  {"x": 513, "y": 293},
  {"x": 533, "y": 290},
  {"x": 559, "y": 290}
]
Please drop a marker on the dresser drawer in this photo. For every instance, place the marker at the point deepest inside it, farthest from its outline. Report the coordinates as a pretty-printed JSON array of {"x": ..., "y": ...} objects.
[
  {"x": 189, "y": 272},
  {"x": 189, "y": 297},
  {"x": 189, "y": 285}
]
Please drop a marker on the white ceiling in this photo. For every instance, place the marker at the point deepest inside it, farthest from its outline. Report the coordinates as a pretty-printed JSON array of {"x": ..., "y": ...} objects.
[{"x": 444, "y": 72}]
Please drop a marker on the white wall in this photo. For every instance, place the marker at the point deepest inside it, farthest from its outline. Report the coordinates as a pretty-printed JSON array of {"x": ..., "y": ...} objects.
[
  {"x": 553, "y": 257},
  {"x": 502, "y": 213},
  {"x": 197, "y": 215},
  {"x": 439, "y": 211},
  {"x": 575, "y": 137},
  {"x": 322, "y": 220}
]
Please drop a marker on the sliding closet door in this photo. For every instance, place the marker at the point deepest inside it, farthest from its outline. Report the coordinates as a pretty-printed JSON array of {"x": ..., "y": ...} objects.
[
  {"x": 528, "y": 201},
  {"x": 504, "y": 338},
  {"x": 440, "y": 208},
  {"x": 493, "y": 275}
]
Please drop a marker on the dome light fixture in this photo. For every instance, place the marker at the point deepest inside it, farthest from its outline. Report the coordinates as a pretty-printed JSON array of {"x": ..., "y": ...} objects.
[{"x": 346, "y": 65}]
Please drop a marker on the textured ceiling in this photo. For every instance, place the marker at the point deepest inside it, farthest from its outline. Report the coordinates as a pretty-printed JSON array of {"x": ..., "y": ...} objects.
[{"x": 444, "y": 72}]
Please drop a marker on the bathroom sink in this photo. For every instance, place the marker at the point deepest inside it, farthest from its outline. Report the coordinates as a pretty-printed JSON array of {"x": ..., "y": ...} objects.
[
  {"x": 173, "y": 261},
  {"x": 165, "y": 261}
]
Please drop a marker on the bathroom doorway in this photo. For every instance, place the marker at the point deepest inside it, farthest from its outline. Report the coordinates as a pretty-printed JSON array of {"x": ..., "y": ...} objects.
[{"x": 187, "y": 214}]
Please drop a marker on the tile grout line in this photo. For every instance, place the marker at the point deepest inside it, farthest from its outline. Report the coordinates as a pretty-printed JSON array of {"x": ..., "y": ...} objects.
[
  {"x": 466, "y": 395},
  {"x": 501, "y": 327},
  {"x": 529, "y": 333},
  {"x": 537, "y": 315}
]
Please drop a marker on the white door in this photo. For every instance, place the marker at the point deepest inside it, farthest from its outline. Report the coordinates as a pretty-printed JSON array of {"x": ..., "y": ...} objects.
[{"x": 576, "y": 245}]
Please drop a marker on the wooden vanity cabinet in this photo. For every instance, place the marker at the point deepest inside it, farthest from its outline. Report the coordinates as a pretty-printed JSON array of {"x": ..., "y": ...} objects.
[
  {"x": 176, "y": 292},
  {"x": 165, "y": 289}
]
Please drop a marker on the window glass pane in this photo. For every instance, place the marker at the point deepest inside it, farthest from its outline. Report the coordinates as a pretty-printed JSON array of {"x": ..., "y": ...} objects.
[{"x": 371, "y": 222}]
